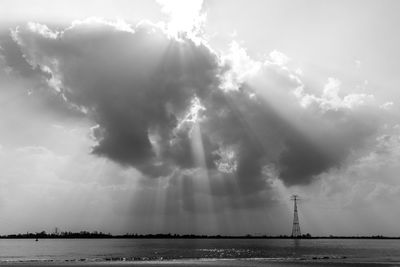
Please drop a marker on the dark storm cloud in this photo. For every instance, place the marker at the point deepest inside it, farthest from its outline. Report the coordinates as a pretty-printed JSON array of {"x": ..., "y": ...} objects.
[
  {"x": 244, "y": 124},
  {"x": 337, "y": 135},
  {"x": 262, "y": 135},
  {"x": 135, "y": 85},
  {"x": 14, "y": 58},
  {"x": 142, "y": 88},
  {"x": 33, "y": 79}
]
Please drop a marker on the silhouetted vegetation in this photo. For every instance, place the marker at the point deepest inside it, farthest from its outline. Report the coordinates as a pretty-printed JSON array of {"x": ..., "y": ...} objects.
[
  {"x": 96, "y": 234},
  {"x": 43, "y": 234}
]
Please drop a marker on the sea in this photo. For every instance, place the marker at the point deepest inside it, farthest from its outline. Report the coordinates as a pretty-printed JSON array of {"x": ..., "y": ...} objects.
[{"x": 278, "y": 250}]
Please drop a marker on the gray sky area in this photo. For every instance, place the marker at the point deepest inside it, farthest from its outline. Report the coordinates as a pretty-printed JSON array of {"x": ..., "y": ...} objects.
[{"x": 200, "y": 116}]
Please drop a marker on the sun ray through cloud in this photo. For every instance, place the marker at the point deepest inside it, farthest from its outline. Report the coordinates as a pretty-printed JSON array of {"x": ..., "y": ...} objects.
[{"x": 174, "y": 116}]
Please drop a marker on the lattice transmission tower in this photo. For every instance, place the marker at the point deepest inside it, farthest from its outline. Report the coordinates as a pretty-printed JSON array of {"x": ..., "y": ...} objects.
[{"x": 296, "y": 224}]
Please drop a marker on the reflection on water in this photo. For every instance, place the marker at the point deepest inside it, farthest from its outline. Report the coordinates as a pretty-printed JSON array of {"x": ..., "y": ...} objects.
[
  {"x": 145, "y": 249},
  {"x": 296, "y": 243}
]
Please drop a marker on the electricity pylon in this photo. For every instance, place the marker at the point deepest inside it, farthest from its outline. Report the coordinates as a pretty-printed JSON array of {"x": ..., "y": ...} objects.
[{"x": 296, "y": 225}]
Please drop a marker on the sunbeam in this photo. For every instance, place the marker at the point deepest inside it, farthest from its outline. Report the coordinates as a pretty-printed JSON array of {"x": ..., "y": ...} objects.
[{"x": 208, "y": 116}]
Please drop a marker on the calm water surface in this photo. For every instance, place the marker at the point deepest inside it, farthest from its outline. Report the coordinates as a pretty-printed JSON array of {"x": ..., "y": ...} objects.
[{"x": 145, "y": 249}]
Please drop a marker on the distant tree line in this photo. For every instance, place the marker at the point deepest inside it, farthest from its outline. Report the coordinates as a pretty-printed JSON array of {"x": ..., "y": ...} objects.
[
  {"x": 97, "y": 234},
  {"x": 43, "y": 234}
]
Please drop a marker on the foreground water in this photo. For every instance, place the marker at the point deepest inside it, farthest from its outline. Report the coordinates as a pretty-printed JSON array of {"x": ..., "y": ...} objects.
[{"x": 278, "y": 250}]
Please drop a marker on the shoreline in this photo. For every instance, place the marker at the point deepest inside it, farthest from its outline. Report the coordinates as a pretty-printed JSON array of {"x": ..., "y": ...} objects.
[
  {"x": 206, "y": 262},
  {"x": 197, "y": 237}
]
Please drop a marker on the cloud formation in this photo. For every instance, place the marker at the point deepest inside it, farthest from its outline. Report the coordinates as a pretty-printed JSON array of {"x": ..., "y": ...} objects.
[
  {"x": 166, "y": 106},
  {"x": 135, "y": 84}
]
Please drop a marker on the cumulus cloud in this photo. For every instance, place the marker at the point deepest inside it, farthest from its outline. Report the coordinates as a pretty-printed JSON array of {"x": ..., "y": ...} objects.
[
  {"x": 330, "y": 98},
  {"x": 387, "y": 105},
  {"x": 173, "y": 107},
  {"x": 32, "y": 80},
  {"x": 279, "y": 58},
  {"x": 137, "y": 85}
]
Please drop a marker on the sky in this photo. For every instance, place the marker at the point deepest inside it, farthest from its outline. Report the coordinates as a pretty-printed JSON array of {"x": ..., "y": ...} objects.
[{"x": 200, "y": 117}]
